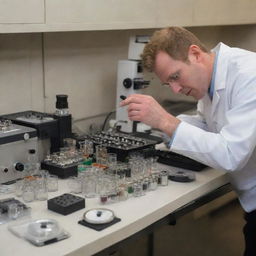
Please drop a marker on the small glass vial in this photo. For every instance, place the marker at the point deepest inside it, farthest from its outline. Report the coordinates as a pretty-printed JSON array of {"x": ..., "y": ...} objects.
[
  {"x": 14, "y": 211},
  {"x": 18, "y": 188},
  {"x": 145, "y": 184},
  {"x": 122, "y": 192},
  {"x": 52, "y": 183},
  {"x": 28, "y": 192},
  {"x": 104, "y": 199},
  {"x": 164, "y": 178},
  {"x": 31, "y": 167},
  {"x": 137, "y": 186},
  {"x": 130, "y": 188},
  {"x": 114, "y": 197},
  {"x": 41, "y": 193},
  {"x": 157, "y": 175},
  {"x": 153, "y": 183}
]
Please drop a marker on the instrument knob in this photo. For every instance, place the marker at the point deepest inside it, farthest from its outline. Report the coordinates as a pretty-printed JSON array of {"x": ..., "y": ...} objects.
[
  {"x": 19, "y": 167},
  {"x": 127, "y": 83}
]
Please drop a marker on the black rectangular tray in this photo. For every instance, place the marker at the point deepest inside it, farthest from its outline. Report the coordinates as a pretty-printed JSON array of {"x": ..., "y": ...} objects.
[
  {"x": 66, "y": 204},
  {"x": 174, "y": 159},
  {"x": 61, "y": 172},
  {"x": 47, "y": 128},
  {"x": 177, "y": 160}
]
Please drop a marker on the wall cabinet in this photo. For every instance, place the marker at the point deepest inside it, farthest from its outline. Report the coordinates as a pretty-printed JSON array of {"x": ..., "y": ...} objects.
[
  {"x": 174, "y": 13},
  {"x": 102, "y": 14},
  {"x": 226, "y": 12},
  {"x": 21, "y": 11},
  {"x": 79, "y": 15}
]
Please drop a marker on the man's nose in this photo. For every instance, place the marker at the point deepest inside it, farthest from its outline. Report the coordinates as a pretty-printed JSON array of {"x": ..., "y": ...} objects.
[{"x": 175, "y": 87}]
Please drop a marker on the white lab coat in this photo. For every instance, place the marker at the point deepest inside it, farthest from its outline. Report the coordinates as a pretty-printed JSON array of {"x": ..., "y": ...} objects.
[{"x": 223, "y": 133}]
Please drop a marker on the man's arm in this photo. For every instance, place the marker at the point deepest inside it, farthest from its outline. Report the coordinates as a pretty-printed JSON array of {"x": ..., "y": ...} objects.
[
  {"x": 233, "y": 145},
  {"x": 146, "y": 109}
]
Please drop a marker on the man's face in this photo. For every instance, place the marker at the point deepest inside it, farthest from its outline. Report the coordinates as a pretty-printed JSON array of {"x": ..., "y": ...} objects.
[{"x": 189, "y": 78}]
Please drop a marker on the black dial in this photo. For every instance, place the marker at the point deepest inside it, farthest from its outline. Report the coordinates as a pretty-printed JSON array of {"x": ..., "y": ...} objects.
[
  {"x": 127, "y": 83},
  {"x": 19, "y": 167}
]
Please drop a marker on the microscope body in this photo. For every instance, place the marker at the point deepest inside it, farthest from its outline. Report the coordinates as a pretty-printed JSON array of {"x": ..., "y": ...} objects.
[{"x": 130, "y": 81}]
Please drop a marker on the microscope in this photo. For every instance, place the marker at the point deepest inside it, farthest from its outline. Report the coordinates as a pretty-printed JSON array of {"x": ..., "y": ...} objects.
[{"x": 130, "y": 81}]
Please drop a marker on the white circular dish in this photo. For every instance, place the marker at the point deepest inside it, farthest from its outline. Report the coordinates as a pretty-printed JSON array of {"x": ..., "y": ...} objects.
[
  {"x": 43, "y": 228},
  {"x": 99, "y": 216}
]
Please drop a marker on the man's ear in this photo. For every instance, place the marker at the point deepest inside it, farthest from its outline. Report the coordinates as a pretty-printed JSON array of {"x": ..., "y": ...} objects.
[{"x": 194, "y": 53}]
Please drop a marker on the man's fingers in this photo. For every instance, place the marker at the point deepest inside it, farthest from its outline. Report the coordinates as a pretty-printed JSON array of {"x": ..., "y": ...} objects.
[
  {"x": 133, "y": 112},
  {"x": 134, "y": 115},
  {"x": 134, "y": 106}
]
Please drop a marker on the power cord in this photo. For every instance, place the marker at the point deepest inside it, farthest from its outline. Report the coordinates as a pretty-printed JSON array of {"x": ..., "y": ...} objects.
[{"x": 106, "y": 119}]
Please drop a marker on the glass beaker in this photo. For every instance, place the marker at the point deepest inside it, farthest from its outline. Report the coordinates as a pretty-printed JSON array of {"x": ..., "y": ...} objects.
[
  {"x": 28, "y": 192},
  {"x": 101, "y": 155},
  {"x": 41, "y": 191},
  {"x": 52, "y": 183},
  {"x": 75, "y": 185},
  {"x": 89, "y": 182},
  {"x": 18, "y": 187},
  {"x": 112, "y": 160},
  {"x": 14, "y": 211}
]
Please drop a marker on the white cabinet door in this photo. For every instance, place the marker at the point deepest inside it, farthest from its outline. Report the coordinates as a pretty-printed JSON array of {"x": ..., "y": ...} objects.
[
  {"x": 21, "y": 11},
  {"x": 75, "y": 15},
  {"x": 174, "y": 13},
  {"x": 205, "y": 12},
  {"x": 221, "y": 12},
  {"x": 101, "y": 13}
]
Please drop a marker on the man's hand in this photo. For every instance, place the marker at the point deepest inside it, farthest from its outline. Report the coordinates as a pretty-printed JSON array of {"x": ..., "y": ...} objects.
[{"x": 146, "y": 109}]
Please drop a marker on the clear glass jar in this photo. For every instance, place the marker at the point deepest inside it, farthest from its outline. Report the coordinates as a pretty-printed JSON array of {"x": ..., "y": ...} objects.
[
  {"x": 138, "y": 191},
  {"x": 28, "y": 192},
  {"x": 89, "y": 182},
  {"x": 153, "y": 183},
  {"x": 32, "y": 165},
  {"x": 40, "y": 188}
]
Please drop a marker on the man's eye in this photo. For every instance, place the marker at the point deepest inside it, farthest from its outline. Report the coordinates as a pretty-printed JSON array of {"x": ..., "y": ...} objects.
[{"x": 174, "y": 77}]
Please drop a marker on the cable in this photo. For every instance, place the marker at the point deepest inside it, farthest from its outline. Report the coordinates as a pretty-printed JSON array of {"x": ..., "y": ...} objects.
[{"x": 106, "y": 119}]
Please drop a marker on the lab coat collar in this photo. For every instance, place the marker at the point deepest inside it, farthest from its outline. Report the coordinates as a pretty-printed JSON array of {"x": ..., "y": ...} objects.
[
  {"x": 221, "y": 72},
  {"x": 222, "y": 65}
]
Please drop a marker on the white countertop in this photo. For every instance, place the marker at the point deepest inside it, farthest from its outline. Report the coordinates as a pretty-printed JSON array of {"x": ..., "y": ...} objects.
[{"x": 135, "y": 213}]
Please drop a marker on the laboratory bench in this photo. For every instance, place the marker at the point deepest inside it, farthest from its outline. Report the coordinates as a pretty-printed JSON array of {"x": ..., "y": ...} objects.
[{"x": 139, "y": 215}]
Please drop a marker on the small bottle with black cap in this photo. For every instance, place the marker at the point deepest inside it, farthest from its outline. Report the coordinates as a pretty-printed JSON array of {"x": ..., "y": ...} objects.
[
  {"x": 32, "y": 165},
  {"x": 62, "y": 105}
]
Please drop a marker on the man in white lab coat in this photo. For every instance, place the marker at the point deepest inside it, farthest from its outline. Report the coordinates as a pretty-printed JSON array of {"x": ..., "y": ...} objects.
[{"x": 223, "y": 133}]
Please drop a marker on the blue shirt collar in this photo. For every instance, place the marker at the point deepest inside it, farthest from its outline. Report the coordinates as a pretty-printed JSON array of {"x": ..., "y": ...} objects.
[{"x": 212, "y": 84}]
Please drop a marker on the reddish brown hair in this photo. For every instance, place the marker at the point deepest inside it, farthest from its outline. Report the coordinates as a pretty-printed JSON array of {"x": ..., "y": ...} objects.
[{"x": 175, "y": 41}]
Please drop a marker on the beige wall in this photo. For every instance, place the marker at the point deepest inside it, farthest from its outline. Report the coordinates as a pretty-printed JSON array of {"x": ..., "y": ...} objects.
[
  {"x": 21, "y": 76},
  {"x": 36, "y": 67}
]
